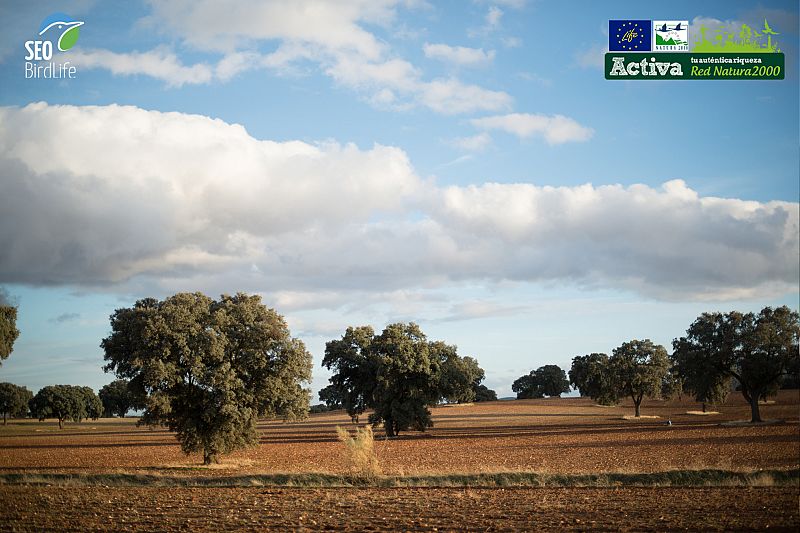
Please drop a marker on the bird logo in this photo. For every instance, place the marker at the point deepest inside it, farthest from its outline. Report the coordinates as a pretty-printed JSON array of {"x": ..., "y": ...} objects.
[
  {"x": 664, "y": 28},
  {"x": 68, "y": 27},
  {"x": 671, "y": 35}
]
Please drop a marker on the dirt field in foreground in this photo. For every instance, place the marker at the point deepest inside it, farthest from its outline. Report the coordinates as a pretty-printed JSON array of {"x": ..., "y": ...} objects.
[
  {"x": 210, "y": 509},
  {"x": 569, "y": 435}
]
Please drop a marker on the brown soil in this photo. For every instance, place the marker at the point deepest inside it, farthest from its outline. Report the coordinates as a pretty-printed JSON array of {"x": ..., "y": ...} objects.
[
  {"x": 219, "y": 509},
  {"x": 556, "y": 436},
  {"x": 568, "y": 435}
]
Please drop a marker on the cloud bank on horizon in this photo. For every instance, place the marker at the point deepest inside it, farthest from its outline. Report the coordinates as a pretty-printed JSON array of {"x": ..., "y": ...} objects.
[{"x": 151, "y": 201}]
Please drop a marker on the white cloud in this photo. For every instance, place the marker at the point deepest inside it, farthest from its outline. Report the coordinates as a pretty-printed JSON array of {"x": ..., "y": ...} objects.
[
  {"x": 493, "y": 17},
  {"x": 159, "y": 63},
  {"x": 492, "y": 23},
  {"x": 329, "y": 35},
  {"x": 474, "y": 143},
  {"x": 513, "y": 4},
  {"x": 231, "y": 25},
  {"x": 396, "y": 79},
  {"x": 401, "y": 301},
  {"x": 450, "y": 96},
  {"x": 530, "y": 76},
  {"x": 472, "y": 309},
  {"x": 592, "y": 57},
  {"x": 138, "y": 191},
  {"x": 161, "y": 202},
  {"x": 556, "y": 129},
  {"x": 235, "y": 63},
  {"x": 458, "y": 55},
  {"x": 667, "y": 243},
  {"x": 397, "y": 74}
]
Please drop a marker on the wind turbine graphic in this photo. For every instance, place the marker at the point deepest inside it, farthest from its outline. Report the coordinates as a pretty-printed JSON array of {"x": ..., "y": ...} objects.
[
  {"x": 769, "y": 33},
  {"x": 68, "y": 27}
]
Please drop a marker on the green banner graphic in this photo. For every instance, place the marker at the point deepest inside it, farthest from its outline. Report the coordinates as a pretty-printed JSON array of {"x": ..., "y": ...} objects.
[{"x": 694, "y": 66}]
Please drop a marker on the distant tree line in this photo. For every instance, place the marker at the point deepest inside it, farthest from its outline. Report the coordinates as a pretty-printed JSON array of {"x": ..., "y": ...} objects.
[
  {"x": 758, "y": 350},
  {"x": 62, "y": 402},
  {"x": 67, "y": 402},
  {"x": 208, "y": 369}
]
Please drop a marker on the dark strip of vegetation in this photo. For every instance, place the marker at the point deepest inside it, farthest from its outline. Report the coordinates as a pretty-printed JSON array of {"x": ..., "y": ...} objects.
[{"x": 675, "y": 478}]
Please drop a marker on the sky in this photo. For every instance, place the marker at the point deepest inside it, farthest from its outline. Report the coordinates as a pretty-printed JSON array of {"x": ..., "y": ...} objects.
[{"x": 460, "y": 164}]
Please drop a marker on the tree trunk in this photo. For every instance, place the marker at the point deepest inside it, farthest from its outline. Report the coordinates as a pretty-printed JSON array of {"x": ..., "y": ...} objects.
[
  {"x": 755, "y": 415},
  {"x": 60, "y": 423},
  {"x": 636, "y": 405},
  {"x": 388, "y": 425},
  {"x": 4, "y": 419},
  {"x": 704, "y": 407},
  {"x": 209, "y": 457}
]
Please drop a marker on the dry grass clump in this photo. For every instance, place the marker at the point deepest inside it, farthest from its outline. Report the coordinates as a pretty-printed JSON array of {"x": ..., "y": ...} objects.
[
  {"x": 702, "y": 413},
  {"x": 360, "y": 451}
]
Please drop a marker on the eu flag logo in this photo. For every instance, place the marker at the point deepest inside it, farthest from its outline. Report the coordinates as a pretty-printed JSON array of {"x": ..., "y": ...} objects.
[{"x": 630, "y": 35}]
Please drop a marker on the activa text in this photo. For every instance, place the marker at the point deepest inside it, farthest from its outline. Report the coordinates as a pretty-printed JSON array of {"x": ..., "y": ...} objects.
[{"x": 644, "y": 68}]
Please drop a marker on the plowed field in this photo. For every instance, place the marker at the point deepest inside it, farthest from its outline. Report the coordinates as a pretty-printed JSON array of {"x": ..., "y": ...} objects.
[
  {"x": 210, "y": 509},
  {"x": 566, "y": 436},
  {"x": 551, "y": 435}
]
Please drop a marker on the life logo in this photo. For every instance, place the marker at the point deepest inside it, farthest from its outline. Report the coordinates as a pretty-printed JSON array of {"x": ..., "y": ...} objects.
[{"x": 58, "y": 28}]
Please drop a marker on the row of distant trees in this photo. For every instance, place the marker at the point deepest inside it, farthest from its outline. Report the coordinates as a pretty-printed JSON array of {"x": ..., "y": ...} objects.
[
  {"x": 209, "y": 369},
  {"x": 67, "y": 402},
  {"x": 754, "y": 351}
]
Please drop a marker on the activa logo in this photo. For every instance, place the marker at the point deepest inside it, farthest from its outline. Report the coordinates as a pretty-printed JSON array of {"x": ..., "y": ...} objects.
[
  {"x": 64, "y": 31},
  {"x": 645, "y": 67}
]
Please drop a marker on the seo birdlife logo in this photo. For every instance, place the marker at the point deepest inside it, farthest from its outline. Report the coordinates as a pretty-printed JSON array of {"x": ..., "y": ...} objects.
[{"x": 58, "y": 32}]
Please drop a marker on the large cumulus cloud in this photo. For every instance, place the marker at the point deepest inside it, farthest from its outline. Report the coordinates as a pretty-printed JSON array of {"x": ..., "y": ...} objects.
[
  {"x": 101, "y": 194},
  {"x": 122, "y": 196}
]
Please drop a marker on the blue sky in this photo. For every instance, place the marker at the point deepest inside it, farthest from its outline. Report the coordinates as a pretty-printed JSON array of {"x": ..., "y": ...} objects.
[{"x": 461, "y": 164}]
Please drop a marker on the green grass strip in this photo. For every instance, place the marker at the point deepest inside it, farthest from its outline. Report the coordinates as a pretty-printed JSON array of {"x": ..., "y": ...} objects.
[{"x": 674, "y": 478}]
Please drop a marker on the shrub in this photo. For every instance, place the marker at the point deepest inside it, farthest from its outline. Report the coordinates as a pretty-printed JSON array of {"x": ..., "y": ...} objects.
[{"x": 360, "y": 451}]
